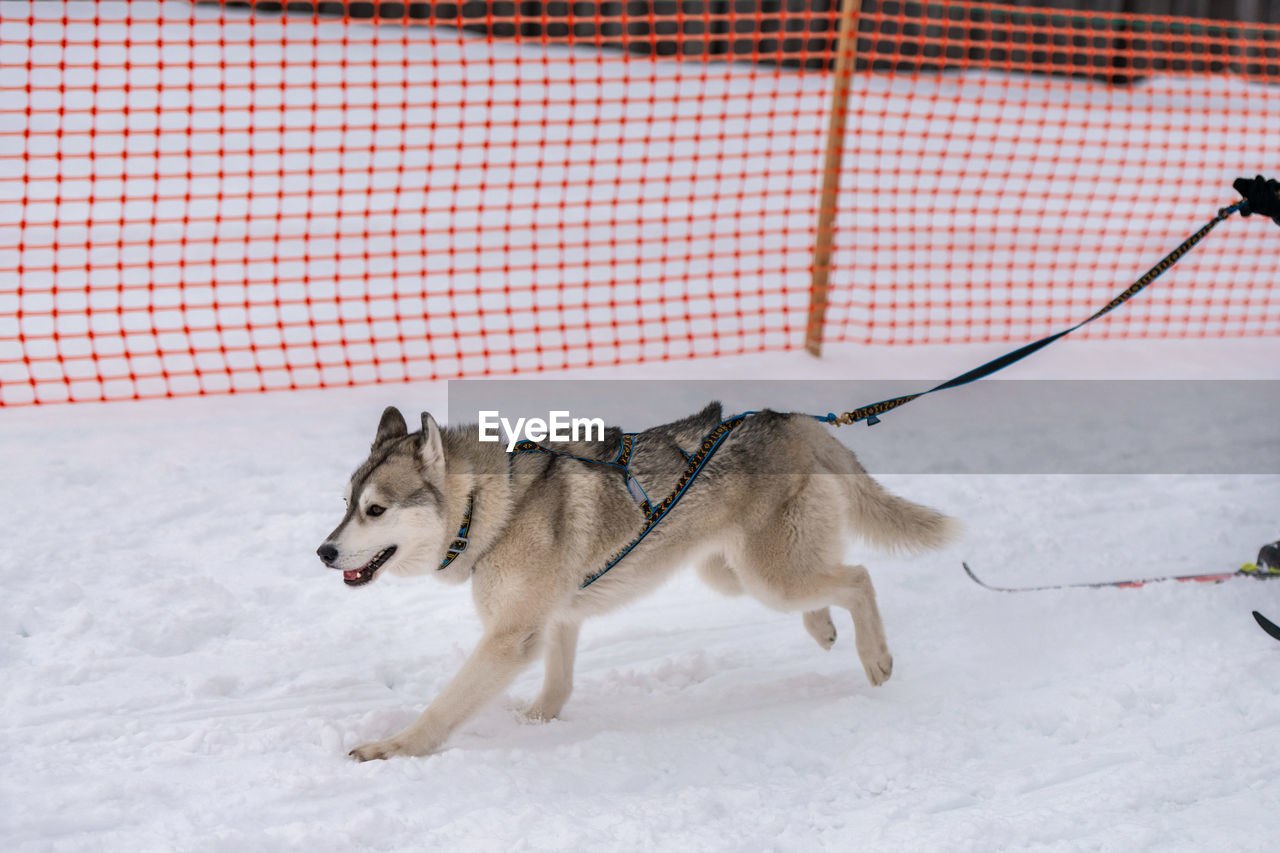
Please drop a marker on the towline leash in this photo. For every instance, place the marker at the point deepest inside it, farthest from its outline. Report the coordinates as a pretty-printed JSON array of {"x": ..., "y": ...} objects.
[{"x": 1260, "y": 196}]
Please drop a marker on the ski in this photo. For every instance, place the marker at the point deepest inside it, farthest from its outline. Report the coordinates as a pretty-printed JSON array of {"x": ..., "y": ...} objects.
[
  {"x": 1248, "y": 570},
  {"x": 1267, "y": 625}
]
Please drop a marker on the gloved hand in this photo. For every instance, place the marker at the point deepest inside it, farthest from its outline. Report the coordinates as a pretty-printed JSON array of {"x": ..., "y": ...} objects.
[{"x": 1262, "y": 195}]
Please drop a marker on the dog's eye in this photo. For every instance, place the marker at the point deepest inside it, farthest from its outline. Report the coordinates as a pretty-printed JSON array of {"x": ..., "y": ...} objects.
[{"x": 374, "y": 510}]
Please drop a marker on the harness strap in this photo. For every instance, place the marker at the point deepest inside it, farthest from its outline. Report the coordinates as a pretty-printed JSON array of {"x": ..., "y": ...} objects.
[
  {"x": 710, "y": 443},
  {"x": 624, "y": 451},
  {"x": 638, "y": 494},
  {"x": 622, "y": 463}
]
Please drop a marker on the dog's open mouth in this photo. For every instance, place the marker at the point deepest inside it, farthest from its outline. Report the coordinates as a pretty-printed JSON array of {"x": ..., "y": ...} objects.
[{"x": 364, "y": 574}]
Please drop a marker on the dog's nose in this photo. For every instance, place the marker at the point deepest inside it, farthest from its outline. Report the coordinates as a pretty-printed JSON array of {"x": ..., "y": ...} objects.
[{"x": 327, "y": 553}]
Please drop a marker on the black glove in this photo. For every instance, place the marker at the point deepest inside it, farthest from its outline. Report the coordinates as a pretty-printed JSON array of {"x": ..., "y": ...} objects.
[{"x": 1262, "y": 196}]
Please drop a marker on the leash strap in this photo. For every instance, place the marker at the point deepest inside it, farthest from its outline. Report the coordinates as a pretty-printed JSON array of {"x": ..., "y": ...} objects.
[
  {"x": 1261, "y": 196},
  {"x": 871, "y": 413}
]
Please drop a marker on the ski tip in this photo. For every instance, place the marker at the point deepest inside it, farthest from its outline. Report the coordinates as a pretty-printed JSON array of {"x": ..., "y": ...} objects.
[
  {"x": 980, "y": 582},
  {"x": 968, "y": 571},
  {"x": 1266, "y": 624}
]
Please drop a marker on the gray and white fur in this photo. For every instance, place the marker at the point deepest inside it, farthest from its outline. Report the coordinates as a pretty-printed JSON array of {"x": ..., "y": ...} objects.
[{"x": 768, "y": 515}]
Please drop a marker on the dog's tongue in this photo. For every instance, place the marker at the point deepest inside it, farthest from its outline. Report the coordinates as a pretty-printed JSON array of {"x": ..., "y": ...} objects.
[{"x": 350, "y": 576}]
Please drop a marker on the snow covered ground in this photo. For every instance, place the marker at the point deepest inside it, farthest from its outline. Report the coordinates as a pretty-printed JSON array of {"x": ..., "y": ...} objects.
[{"x": 180, "y": 673}]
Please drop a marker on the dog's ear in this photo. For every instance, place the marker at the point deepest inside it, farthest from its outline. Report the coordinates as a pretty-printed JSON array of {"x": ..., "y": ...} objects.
[
  {"x": 430, "y": 449},
  {"x": 391, "y": 427}
]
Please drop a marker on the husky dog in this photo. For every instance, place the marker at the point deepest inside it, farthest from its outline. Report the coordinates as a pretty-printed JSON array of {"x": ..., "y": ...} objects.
[{"x": 767, "y": 515}]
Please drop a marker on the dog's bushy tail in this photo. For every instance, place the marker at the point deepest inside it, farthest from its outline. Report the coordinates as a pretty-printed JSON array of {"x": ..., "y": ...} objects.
[{"x": 895, "y": 524}]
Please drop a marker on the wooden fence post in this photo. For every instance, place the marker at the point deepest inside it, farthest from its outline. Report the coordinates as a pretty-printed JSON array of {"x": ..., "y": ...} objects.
[{"x": 846, "y": 50}]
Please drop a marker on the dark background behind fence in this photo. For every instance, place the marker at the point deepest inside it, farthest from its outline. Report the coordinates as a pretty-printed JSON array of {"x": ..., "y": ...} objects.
[{"x": 893, "y": 35}]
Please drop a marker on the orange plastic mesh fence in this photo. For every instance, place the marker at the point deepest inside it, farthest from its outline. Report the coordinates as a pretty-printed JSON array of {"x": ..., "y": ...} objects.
[{"x": 213, "y": 198}]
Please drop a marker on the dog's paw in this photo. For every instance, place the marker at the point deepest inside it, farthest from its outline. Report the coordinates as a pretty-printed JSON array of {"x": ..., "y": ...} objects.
[
  {"x": 379, "y": 749},
  {"x": 540, "y": 712},
  {"x": 878, "y": 667},
  {"x": 819, "y": 625}
]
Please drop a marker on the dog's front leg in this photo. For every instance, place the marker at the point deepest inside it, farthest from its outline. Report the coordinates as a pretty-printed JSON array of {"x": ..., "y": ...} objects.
[
  {"x": 490, "y": 668},
  {"x": 558, "y": 683}
]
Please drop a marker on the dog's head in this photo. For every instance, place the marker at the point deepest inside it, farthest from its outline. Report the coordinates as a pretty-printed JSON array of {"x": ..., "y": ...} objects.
[{"x": 395, "y": 506}]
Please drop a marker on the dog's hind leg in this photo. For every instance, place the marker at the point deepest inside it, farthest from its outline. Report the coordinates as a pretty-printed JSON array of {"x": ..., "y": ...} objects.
[
  {"x": 819, "y": 625},
  {"x": 790, "y": 588},
  {"x": 858, "y": 596},
  {"x": 716, "y": 573},
  {"x": 562, "y": 645}
]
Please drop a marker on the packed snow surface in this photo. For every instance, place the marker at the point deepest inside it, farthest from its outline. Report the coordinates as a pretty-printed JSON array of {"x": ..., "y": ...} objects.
[{"x": 181, "y": 673}]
